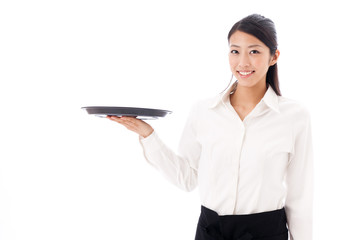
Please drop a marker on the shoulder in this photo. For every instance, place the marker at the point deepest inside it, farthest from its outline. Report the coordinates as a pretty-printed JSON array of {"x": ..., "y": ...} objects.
[
  {"x": 295, "y": 112},
  {"x": 292, "y": 106}
]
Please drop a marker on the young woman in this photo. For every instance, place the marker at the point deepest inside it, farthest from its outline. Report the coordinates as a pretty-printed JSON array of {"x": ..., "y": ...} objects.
[{"x": 249, "y": 150}]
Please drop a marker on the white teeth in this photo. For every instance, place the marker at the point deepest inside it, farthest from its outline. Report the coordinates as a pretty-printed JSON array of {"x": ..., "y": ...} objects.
[{"x": 245, "y": 73}]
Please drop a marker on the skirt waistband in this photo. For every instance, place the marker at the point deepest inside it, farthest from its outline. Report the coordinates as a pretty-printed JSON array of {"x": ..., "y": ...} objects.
[{"x": 269, "y": 225}]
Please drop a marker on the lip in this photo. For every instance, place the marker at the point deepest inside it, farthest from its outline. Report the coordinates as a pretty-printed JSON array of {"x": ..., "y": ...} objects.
[{"x": 245, "y": 75}]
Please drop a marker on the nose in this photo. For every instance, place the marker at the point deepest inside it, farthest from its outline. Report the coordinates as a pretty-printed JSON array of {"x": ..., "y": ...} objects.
[{"x": 244, "y": 61}]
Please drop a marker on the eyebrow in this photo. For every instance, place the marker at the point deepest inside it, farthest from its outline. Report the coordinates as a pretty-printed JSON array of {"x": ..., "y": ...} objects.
[{"x": 250, "y": 46}]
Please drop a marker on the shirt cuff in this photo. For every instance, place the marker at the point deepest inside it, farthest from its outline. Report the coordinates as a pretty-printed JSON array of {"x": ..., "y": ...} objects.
[{"x": 151, "y": 143}]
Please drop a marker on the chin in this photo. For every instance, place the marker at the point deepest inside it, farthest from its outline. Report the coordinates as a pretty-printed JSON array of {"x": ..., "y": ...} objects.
[{"x": 246, "y": 83}]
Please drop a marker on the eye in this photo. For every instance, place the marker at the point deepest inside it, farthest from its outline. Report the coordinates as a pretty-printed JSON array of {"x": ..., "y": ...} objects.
[
  {"x": 254, "y": 52},
  {"x": 234, "y": 52}
]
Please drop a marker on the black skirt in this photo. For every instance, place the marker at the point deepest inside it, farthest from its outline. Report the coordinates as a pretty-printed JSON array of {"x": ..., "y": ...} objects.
[{"x": 263, "y": 226}]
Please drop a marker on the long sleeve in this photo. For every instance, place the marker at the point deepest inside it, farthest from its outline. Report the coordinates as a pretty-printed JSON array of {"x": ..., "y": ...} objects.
[
  {"x": 299, "y": 181},
  {"x": 181, "y": 168}
]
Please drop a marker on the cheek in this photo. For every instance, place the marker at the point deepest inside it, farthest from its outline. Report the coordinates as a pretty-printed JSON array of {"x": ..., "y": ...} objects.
[
  {"x": 232, "y": 62},
  {"x": 260, "y": 64}
]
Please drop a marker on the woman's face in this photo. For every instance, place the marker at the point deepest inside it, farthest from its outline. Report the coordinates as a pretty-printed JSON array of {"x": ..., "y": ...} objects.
[{"x": 249, "y": 59}]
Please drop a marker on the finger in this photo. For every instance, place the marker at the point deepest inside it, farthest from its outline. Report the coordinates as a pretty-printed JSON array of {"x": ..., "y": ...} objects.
[
  {"x": 126, "y": 124},
  {"x": 134, "y": 120},
  {"x": 133, "y": 124},
  {"x": 114, "y": 118},
  {"x": 111, "y": 117},
  {"x": 123, "y": 120},
  {"x": 131, "y": 120}
]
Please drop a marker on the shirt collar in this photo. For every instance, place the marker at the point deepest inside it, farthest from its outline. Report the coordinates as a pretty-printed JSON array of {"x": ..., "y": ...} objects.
[{"x": 270, "y": 98}]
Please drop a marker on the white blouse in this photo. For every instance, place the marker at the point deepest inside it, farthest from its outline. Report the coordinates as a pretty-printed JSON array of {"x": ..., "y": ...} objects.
[{"x": 262, "y": 163}]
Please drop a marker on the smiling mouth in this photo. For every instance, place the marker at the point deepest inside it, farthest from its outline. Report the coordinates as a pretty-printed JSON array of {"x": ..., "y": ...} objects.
[{"x": 245, "y": 73}]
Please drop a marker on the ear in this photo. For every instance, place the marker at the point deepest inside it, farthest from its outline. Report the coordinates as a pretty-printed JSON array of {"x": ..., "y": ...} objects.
[{"x": 275, "y": 58}]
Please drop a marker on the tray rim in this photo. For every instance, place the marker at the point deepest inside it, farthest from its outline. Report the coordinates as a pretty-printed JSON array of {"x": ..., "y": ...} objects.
[
  {"x": 112, "y": 111},
  {"x": 137, "y": 108}
]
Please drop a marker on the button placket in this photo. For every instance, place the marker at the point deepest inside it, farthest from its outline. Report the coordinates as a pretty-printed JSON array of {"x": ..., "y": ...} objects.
[{"x": 238, "y": 160}]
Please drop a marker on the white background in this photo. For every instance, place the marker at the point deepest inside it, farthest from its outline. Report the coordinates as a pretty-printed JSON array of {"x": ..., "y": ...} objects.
[{"x": 67, "y": 175}]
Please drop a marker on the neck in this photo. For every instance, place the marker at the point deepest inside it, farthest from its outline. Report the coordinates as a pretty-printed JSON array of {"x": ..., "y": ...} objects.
[{"x": 248, "y": 97}]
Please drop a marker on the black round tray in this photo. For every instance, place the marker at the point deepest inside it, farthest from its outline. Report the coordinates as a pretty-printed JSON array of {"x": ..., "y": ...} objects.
[{"x": 141, "y": 113}]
